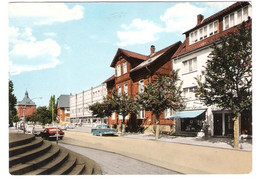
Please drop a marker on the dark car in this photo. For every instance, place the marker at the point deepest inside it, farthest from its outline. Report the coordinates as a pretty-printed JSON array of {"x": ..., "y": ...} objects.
[{"x": 49, "y": 133}]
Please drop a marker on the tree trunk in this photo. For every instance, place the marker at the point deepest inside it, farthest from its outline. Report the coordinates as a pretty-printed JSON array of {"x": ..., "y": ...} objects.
[
  {"x": 123, "y": 126},
  {"x": 157, "y": 128},
  {"x": 236, "y": 131}
]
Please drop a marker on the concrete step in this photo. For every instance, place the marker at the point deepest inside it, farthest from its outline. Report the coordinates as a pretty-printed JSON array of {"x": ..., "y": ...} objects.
[
  {"x": 52, "y": 165},
  {"x": 36, "y": 163},
  {"x": 29, "y": 155},
  {"x": 67, "y": 166},
  {"x": 23, "y": 148},
  {"x": 16, "y": 139},
  {"x": 78, "y": 169}
]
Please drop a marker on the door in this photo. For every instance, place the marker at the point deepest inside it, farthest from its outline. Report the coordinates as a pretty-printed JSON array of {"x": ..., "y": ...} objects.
[{"x": 218, "y": 124}]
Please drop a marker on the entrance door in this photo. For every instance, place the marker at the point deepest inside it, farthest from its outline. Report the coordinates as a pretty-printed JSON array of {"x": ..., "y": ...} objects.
[
  {"x": 218, "y": 124},
  {"x": 229, "y": 124}
]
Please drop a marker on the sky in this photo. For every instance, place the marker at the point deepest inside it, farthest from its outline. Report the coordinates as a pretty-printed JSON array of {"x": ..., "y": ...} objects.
[{"x": 65, "y": 48}]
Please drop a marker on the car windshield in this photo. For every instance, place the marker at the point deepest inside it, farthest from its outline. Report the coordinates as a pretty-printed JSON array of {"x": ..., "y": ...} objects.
[
  {"x": 102, "y": 126},
  {"x": 53, "y": 130}
]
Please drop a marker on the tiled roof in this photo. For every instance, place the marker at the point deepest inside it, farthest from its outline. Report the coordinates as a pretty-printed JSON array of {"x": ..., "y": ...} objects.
[
  {"x": 154, "y": 57},
  {"x": 26, "y": 101},
  {"x": 110, "y": 79},
  {"x": 64, "y": 101},
  {"x": 128, "y": 54},
  {"x": 185, "y": 49},
  {"x": 224, "y": 12}
]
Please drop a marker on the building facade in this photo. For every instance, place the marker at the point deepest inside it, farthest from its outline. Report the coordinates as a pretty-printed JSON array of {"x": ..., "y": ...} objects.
[
  {"x": 132, "y": 72},
  {"x": 63, "y": 109},
  {"x": 79, "y": 105},
  {"x": 190, "y": 59},
  {"x": 26, "y": 107}
]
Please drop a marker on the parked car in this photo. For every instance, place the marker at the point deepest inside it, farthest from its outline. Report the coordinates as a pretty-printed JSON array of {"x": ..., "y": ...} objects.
[
  {"x": 49, "y": 133},
  {"x": 101, "y": 130},
  {"x": 29, "y": 129}
]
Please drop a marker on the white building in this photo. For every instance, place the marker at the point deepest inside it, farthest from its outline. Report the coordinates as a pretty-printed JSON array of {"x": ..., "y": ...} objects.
[
  {"x": 190, "y": 59},
  {"x": 79, "y": 104}
]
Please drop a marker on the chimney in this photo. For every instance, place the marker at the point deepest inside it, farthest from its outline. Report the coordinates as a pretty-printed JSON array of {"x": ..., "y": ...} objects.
[
  {"x": 199, "y": 18},
  {"x": 152, "y": 49}
]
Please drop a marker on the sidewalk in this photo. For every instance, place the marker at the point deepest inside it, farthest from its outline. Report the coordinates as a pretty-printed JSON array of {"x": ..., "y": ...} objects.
[{"x": 221, "y": 142}]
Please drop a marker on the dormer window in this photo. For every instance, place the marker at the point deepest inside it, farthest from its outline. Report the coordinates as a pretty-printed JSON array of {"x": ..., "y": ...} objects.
[
  {"x": 124, "y": 67},
  {"x": 118, "y": 70}
]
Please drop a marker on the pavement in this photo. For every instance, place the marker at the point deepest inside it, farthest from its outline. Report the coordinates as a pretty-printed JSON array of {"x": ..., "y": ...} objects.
[
  {"x": 116, "y": 164},
  {"x": 187, "y": 155}
]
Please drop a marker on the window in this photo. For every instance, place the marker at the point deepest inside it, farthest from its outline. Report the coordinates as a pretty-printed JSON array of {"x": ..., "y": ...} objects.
[
  {"x": 195, "y": 36},
  {"x": 189, "y": 93},
  {"x": 226, "y": 22},
  {"x": 119, "y": 91},
  {"x": 124, "y": 67},
  {"x": 118, "y": 70},
  {"x": 140, "y": 114},
  {"x": 205, "y": 31},
  {"x": 201, "y": 33},
  {"x": 191, "y": 38},
  {"x": 126, "y": 89},
  {"x": 190, "y": 65},
  {"x": 141, "y": 86},
  {"x": 168, "y": 112},
  {"x": 245, "y": 13},
  {"x": 215, "y": 27},
  {"x": 232, "y": 20},
  {"x": 239, "y": 16},
  {"x": 113, "y": 117},
  {"x": 210, "y": 29}
]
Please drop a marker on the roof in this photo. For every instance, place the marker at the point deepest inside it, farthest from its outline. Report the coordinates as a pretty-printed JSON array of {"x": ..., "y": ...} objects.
[
  {"x": 63, "y": 101},
  {"x": 26, "y": 101},
  {"x": 128, "y": 54},
  {"x": 110, "y": 79},
  {"x": 222, "y": 13},
  {"x": 154, "y": 57}
]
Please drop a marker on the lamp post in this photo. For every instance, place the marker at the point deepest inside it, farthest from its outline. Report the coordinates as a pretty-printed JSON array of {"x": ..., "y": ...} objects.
[{"x": 24, "y": 112}]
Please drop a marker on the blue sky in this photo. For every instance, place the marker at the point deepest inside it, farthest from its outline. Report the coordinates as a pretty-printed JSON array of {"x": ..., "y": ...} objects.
[{"x": 63, "y": 48}]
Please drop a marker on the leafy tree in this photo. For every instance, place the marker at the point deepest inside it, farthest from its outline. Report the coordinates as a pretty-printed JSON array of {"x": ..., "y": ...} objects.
[
  {"x": 43, "y": 115},
  {"x": 164, "y": 93},
  {"x": 13, "y": 118},
  {"x": 101, "y": 110},
  {"x": 53, "y": 107},
  {"x": 227, "y": 79},
  {"x": 123, "y": 105}
]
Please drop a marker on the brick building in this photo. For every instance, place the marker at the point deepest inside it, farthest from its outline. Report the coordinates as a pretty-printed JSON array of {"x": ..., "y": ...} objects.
[
  {"x": 63, "y": 108},
  {"x": 190, "y": 59},
  {"x": 132, "y": 72},
  {"x": 26, "y": 107}
]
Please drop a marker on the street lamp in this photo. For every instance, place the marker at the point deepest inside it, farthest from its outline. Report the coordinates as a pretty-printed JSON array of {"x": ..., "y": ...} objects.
[{"x": 24, "y": 112}]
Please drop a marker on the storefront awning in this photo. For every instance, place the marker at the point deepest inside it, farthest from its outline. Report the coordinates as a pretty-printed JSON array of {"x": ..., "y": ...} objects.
[{"x": 187, "y": 114}]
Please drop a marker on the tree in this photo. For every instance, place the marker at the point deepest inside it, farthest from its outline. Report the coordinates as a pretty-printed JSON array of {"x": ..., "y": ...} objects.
[
  {"x": 227, "y": 79},
  {"x": 43, "y": 115},
  {"x": 101, "y": 110},
  {"x": 163, "y": 94},
  {"x": 13, "y": 118},
  {"x": 123, "y": 105},
  {"x": 52, "y": 108}
]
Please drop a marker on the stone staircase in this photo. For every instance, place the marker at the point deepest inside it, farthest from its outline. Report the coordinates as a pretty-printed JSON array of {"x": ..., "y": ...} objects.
[{"x": 30, "y": 155}]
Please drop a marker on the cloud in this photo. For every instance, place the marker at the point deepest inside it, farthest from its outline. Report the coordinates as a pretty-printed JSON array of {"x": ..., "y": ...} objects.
[
  {"x": 138, "y": 32},
  {"x": 50, "y": 34},
  {"x": 28, "y": 54},
  {"x": 33, "y": 49},
  {"x": 181, "y": 17},
  {"x": 46, "y": 13}
]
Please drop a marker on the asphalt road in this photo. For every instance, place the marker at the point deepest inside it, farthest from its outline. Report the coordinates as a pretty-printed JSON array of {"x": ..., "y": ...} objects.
[{"x": 115, "y": 164}]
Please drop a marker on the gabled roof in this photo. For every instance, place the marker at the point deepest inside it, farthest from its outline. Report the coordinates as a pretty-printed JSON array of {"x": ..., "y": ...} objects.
[
  {"x": 128, "y": 54},
  {"x": 110, "y": 79},
  {"x": 26, "y": 101},
  {"x": 63, "y": 101},
  {"x": 156, "y": 56},
  {"x": 222, "y": 13}
]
